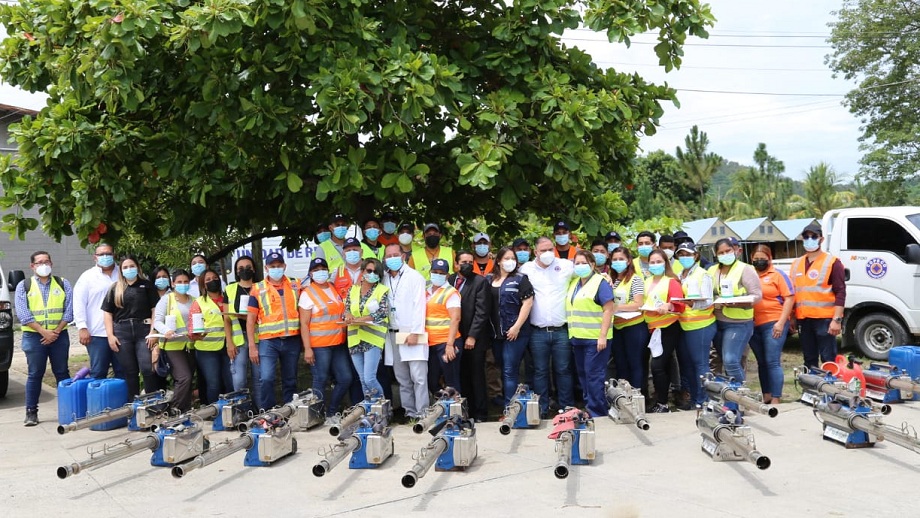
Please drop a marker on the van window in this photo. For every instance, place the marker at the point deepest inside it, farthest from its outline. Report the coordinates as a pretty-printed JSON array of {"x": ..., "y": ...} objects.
[{"x": 878, "y": 234}]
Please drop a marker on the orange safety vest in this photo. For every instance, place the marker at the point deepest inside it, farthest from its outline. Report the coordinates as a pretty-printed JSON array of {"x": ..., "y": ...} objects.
[
  {"x": 437, "y": 319},
  {"x": 490, "y": 265},
  {"x": 277, "y": 318},
  {"x": 814, "y": 296},
  {"x": 342, "y": 282},
  {"x": 570, "y": 255},
  {"x": 325, "y": 317}
]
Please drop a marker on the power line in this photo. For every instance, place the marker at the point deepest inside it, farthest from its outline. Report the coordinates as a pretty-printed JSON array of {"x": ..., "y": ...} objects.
[
  {"x": 727, "y": 92},
  {"x": 716, "y": 68},
  {"x": 735, "y": 114},
  {"x": 745, "y": 119},
  {"x": 739, "y": 45}
]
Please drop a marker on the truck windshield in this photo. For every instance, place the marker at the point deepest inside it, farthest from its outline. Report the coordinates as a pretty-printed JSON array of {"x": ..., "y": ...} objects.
[{"x": 914, "y": 219}]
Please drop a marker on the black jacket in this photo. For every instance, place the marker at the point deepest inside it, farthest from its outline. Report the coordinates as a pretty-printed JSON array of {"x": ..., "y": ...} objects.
[{"x": 475, "y": 307}]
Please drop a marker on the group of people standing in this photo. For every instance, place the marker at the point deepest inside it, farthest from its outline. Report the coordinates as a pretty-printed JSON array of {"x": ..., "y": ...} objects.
[{"x": 380, "y": 308}]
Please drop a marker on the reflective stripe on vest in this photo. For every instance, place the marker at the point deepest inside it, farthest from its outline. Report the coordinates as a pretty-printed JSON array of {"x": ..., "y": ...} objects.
[
  {"x": 623, "y": 295},
  {"x": 325, "y": 316},
  {"x": 437, "y": 318},
  {"x": 423, "y": 266},
  {"x": 334, "y": 258},
  {"x": 50, "y": 315},
  {"x": 693, "y": 319},
  {"x": 238, "y": 334},
  {"x": 814, "y": 297},
  {"x": 583, "y": 315},
  {"x": 180, "y": 341},
  {"x": 213, "y": 326},
  {"x": 278, "y": 318},
  {"x": 734, "y": 277},
  {"x": 373, "y": 334},
  {"x": 655, "y": 297}
]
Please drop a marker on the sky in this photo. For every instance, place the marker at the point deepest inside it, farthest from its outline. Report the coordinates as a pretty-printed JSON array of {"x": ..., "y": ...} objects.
[{"x": 755, "y": 46}]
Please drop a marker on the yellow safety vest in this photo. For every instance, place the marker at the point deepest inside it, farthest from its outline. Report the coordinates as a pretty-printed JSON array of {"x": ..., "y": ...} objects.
[
  {"x": 238, "y": 333},
  {"x": 333, "y": 258},
  {"x": 180, "y": 341},
  {"x": 368, "y": 252},
  {"x": 734, "y": 280},
  {"x": 652, "y": 297},
  {"x": 213, "y": 325},
  {"x": 676, "y": 267},
  {"x": 423, "y": 265},
  {"x": 583, "y": 314},
  {"x": 623, "y": 295},
  {"x": 371, "y": 333},
  {"x": 46, "y": 315},
  {"x": 693, "y": 319},
  {"x": 637, "y": 264}
]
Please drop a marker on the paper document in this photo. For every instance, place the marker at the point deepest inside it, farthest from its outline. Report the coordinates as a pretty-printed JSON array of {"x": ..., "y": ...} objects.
[
  {"x": 626, "y": 315},
  {"x": 409, "y": 353},
  {"x": 743, "y": 299}
]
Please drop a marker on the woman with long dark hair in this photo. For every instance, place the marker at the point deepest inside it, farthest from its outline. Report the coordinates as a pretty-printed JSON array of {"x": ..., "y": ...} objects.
[
  {"x": 512, "y": 299},
  {"x": 661, "y": 290}
]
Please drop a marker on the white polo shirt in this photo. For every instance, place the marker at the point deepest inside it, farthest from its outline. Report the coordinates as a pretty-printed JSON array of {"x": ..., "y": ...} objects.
[
  {"x": 550, "y": 285},
  {"x": 88, "y": 293}
]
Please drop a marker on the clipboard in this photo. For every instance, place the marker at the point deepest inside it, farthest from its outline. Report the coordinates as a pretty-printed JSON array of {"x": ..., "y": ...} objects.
[
  {"x": 626, "y": 315},
  {"x": 743, "y": 299}
]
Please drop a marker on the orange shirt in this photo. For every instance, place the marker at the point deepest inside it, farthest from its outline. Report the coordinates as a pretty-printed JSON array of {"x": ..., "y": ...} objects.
[{"x": 777, "y": 288}]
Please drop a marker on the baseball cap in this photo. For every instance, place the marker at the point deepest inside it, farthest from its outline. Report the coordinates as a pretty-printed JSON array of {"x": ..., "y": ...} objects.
[
  {"x": 322, "y": 227},
  {"x": 688, "y": 246},
  {"x": 408, "y": 226},
  {"x": 813, "y": 227},
  {"x": 317, "y": 262},
  {"x": 560, "y": 224},
  {"x": 613, "y": 235},
  {"x": 680, "y": 234},
  {"x": 338, "y": 217},
  {"x": 351, "y": 242},
  {"x": 274, "y": 257},
  {"x": 430, "y": 226},
  {"x": 480, "y": 236},
  {"x": 388, "y": 216},
  {"x": 520, "y": 241},
  {"x": 734, "y": 241},
  {"x": 440, "y": 265}
]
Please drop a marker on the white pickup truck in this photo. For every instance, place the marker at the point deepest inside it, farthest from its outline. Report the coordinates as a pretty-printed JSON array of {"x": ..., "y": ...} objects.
[{"x": 880, "y": 249}]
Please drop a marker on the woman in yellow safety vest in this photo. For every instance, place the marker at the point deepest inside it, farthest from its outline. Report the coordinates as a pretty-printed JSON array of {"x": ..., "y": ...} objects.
[
  {"x": 589, "y": 307},
  {"x": 170, "y": 319},
  {"x": 367, "y": 311},
  {"x": 735, "y": 321},
  {"x": 630, "y": 336},
  {"x": 210, "y": 340},
  {"x": 697, "y": 322},
  {"x": 238, "y": 346},
  {"x": 662, "y": 296},
  {"x": 322, "y": 314}
]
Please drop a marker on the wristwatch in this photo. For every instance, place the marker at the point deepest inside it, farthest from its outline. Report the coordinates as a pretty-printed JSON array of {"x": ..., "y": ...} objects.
[{"x": 839, "y": 320}]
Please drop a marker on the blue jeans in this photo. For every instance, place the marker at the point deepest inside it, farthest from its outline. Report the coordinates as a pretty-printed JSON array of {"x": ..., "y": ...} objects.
[
  {"x": 272, "y": 351},
  {"x": 628, "y": 348},
  {"x": 591, "y": 366},
  {"x": 437, "y": 367},
  {"x": 817, "y": 341},
  {"x": 366, "y": 365},
  {"x": 552, "y": 344},
  {"x": 768, "y": 350},
  {"x": 512, "y": 355},
  {"x": 239, "y": 369},
  {"x": 100, "y": 357},
  {"x": 696, "y": 345},
  {"x": 37, "y": 356},
  {"x": 332, "y": 360},
  {"x": 735, "y": 336},
  {"x": 214, "y": 366}
]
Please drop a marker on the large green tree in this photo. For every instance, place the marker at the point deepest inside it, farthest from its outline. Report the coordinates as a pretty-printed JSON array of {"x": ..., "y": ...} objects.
[
  {"x": 198, "y": 116},
  {"x": 699, "y": 165},
  {"x": 877, "y": 44}
]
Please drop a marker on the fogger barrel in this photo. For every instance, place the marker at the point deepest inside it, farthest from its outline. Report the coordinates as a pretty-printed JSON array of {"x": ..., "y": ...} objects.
[
  {"x": 725, "y": 392},
  {"x": 216, "y": 453},
  {"x": 845, "y": 418},
  {"x": 709, "y": 424},
  {"x": 880, "y": 378},
  {"x": 511, "y": 414},
  {"x": 618, "y": 399},
  {"x": 434, "y": 412},
  {"x": 819, "y": 384},
  {"x": 338, "y": 453},
  {"x": 110, "y": 455},
  {"x": 564, "y": 454},
  {"x": 207, "y": 411},
  {"x": 429, "y": 455},
  {"x": 352, "y": 417},
  {"x": 102, "y": 417}
]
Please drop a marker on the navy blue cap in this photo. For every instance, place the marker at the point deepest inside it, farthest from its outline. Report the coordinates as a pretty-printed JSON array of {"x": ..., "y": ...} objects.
[
  {"x": 734, "y": 241},
  {"x": 389, "y": 216},
  {"x": 613, "y": 235},
  {"x": 351, "y": 242},
  {"x": 274, "y": 257},
  {"x": 432, "y": 226},
  {"x": 406, "y": 225},
  {"x": 440, "y": 265},
  {"x": 317, "y": 262},
  {"x": 688, "y": 246},
  {"x": 338, "y": 217},
  {"x": 560, "y": 224},
  {"x": 520, "y": 241}
]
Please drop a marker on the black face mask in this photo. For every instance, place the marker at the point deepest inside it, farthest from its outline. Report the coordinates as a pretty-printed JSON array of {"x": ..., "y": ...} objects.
[
  {"x": 213, "y": 286},
  {"x": 760, "y": 264},
  {"x": 246, "y": 274},
  {"x": 432, "y": 241},
  {"x": 466, "y": 269}
]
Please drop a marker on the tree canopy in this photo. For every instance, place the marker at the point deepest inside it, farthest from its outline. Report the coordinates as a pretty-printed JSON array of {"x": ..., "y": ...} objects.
[{"x": 191, "y": 117}]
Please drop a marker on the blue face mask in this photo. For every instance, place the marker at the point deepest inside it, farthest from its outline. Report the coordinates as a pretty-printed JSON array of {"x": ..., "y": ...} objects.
[
  {"x": 583, "y": 270},
  {"x": 339, "y": 232},
  {"x": 198, "y": 269},
  {"x": 275, "y": 274},
  {"x": 322, "y": 237},
  {"x": 372, "y": 278},
  {"x": 686, "y": 262},
  {"x": 619, "y": 266},
  {"x": 182, "y": 289},
  {"x": 482, "y": 250},
  {"x": 562, "y": 240},
  {"x": 438, "y": 279},
  {"x": 645, "y": 250},
  {"x": 522, "y": 255},
  {"x": 353, "y": 257},
  {"x": 728, "y": 259},
  {"x": 612, "y": 246},
  {"x": 600, "y": 259},
  {"x": 389, "y": 227},
  {"x": 129, "y": 273},
  {"x": 161, "y": 283},
  {"x": 656, "y": 269},
  {"x": 320, "y": 276},
  {"x": 811, "y": 244},
  {"x": 105, "y": 261},
  {"x": 372, "y": 233},
  {"x": 394, "y": 263}
]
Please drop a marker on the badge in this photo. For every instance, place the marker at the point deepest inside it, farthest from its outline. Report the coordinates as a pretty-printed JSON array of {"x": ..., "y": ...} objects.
[
  {"x": 812, "y": 274},
  {"x": 876, "y": 268}
]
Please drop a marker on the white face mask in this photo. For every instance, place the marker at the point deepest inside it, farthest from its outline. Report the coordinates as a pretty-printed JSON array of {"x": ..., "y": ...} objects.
[
  {"x": 43, "y": 270},
  {"x": 668, "y": 252},
  {"x": 405, "y": 239},
  {"x": 547, "y": 258},
  {"x": 509, "y": 265}
]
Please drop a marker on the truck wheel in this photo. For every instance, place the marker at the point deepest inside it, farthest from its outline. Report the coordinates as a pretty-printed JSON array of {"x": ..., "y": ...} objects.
[
  {"x": 877, "y": 333},
  {"x": 4, "y": 383}
]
